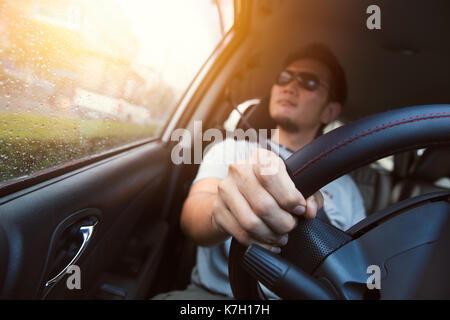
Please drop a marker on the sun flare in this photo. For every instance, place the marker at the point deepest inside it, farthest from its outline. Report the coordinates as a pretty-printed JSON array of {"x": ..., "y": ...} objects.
[{"x": 174, "y": 36}]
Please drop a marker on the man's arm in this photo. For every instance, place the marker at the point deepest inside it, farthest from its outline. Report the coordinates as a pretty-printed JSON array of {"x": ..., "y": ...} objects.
[
  {"x": 196, "y": 217},
  {"x": 250, "y": 204}
]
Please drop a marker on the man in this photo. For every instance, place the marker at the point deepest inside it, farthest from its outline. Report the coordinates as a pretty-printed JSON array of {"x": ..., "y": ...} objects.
[{"x": 236, "y": 199}]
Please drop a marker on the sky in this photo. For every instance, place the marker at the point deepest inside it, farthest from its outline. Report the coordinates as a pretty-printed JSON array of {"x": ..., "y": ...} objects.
[{"x": 175, "y": 36}]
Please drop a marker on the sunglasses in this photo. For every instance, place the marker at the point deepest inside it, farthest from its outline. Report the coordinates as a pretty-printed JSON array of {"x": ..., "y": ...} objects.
[{"x": 306, "y": 80}]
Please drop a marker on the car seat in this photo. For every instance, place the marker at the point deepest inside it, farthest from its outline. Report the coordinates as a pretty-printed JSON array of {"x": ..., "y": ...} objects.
[
  {"x": 424, "y": 174},
  {"x": 375, "y": 185}
]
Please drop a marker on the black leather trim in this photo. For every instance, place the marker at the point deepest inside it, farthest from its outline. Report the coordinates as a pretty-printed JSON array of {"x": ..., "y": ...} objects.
[{"x": 361, "y": 142}]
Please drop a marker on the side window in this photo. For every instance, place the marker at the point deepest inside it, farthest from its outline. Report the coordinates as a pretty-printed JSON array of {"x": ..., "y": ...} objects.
[{"x": 79, "y": 78}]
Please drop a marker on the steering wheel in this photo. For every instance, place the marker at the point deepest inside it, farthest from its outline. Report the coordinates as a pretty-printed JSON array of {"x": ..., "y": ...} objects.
[{"x": 384, "y": 255}]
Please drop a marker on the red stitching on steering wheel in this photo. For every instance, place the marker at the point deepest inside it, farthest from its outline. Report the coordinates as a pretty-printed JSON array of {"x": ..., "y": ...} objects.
[{"x": 367, "y": 132}]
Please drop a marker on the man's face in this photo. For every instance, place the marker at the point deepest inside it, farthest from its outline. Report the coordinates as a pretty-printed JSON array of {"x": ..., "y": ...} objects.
[{"x": 295, "y": 108}]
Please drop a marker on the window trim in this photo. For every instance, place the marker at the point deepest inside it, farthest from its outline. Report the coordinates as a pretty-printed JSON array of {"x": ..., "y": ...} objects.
[
  {"x": 16, "y": 184},
  {"x": 208, "y": 72}
]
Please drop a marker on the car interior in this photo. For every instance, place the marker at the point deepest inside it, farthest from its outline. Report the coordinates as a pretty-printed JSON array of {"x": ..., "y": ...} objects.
[{"x": 117, "y": 214}]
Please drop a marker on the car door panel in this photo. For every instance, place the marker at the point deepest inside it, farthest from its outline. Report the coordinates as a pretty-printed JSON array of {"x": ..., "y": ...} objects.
[{"x": 117, "y": 191}]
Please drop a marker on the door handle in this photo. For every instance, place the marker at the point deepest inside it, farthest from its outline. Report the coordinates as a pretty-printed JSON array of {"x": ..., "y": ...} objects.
[{"x": 87, "y": 232}]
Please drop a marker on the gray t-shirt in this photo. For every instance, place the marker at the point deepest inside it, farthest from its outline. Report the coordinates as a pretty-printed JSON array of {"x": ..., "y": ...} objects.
[{"x": 342, "y": 204}]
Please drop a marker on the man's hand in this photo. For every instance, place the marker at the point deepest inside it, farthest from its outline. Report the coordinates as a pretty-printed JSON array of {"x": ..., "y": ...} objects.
[{"x": 258, "y": 202}]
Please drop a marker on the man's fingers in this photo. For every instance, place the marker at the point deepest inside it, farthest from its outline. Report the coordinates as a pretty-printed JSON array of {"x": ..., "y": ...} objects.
[
  {"x": 260, "y": 201},
  {"x": 261, "y": 205},
  {"x": 244, "y": 215},
  {"x": 271, "y": 248},
  {"x": 313, "y": 203},
  {"x": 319, "y": 200},
  {"x": 277, "y": 182},
  {"x": 223, "y": 220}
]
